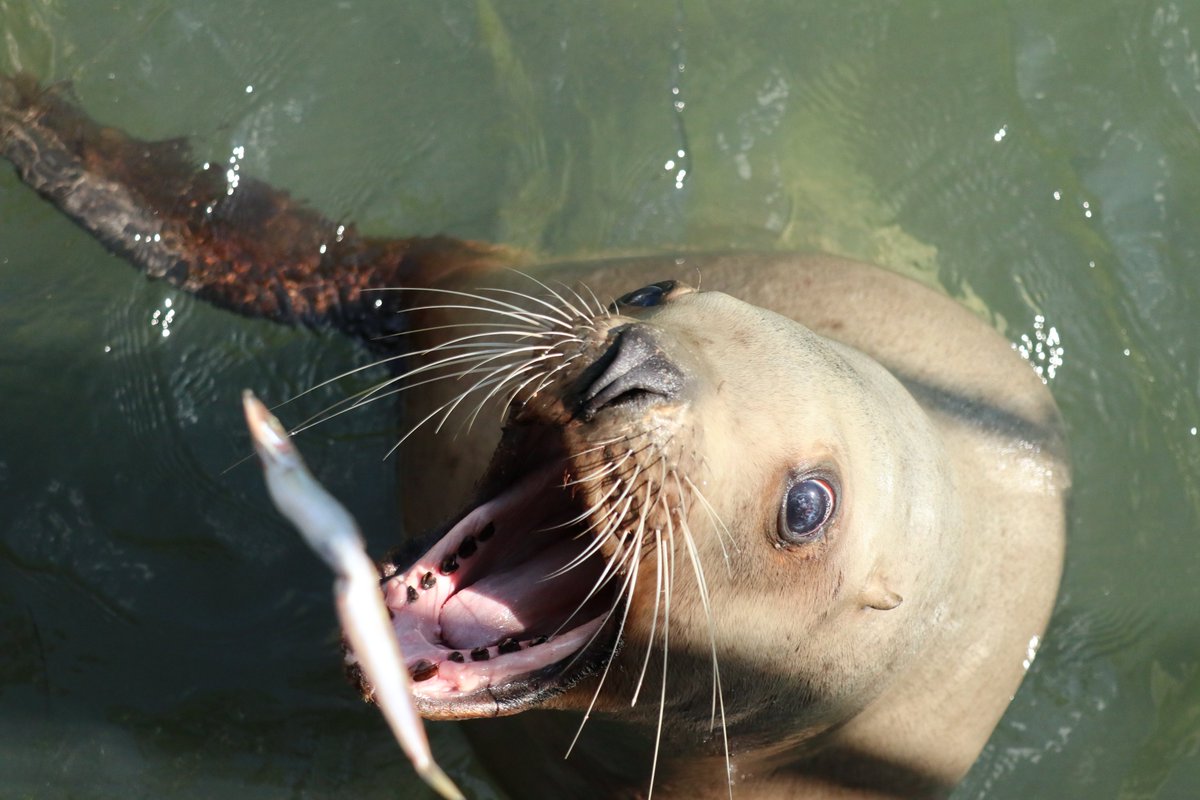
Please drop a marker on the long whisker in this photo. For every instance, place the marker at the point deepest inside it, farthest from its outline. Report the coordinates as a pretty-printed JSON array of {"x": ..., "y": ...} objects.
[
  {"x": 516, "y": 373},
  {"x": 518, "y": 368},
  {"x": 533, "y": 325},
  {"x": 535, "y": 366},
  {"x": 625, "y": 437},
  {"x": 420, "y": 352},
  {"x": 567, "y": 317},
  {"x": 712, "y": 514},
  {"x": 600, "y": 472},
  {"x": 615, "y": 514},
  {"x": 531, "y": 318},
  {"x": 592, "y": 638},
  {"x": 343, "y": 376},
  {"x": 588, "y": 311},
  {"x": 585, "y": 514},
  {"x": 662, "y": 698},
  {"x": 532, "y": 328},
  {"x": 376, "y": 392},
  {"x": 561, "y": 299},
  {"x": 545, "y": 380},
  {"x": 600, "y": 309},
  {"x": 486, "y": 346},
  {"x": 422, "y": 422},
  {"x": 611, "y": 569},
  {"x": 616, "y": 518},
  {"x": 484, "y": 381},
  {"x": 627, "y": 591},
  {"x": 659, "y": 589},
  {"x": 513, "y": 309},
  {"x": 718, "y": 697}
]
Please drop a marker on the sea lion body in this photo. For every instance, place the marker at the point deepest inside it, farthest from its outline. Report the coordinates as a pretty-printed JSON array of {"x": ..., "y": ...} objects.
[
  {"x": 870, "y": 661},
  {"x": 980, "y": 589}
]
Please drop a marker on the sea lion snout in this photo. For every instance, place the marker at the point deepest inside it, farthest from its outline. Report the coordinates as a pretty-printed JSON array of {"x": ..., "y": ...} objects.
[{"x": 635, "y": 369}]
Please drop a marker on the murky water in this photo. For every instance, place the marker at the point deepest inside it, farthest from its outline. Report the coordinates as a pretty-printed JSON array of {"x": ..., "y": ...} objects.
[{"x": 162, "y": 633}]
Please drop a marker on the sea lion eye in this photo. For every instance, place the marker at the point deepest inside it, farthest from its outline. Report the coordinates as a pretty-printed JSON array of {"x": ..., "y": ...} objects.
[
  {"x": 647, "y": 296},
  {"x": 807, "y": 506}
]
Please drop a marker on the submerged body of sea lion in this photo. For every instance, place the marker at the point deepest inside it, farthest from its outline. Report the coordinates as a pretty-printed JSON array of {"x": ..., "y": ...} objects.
[{"x": 809, "y": 518}]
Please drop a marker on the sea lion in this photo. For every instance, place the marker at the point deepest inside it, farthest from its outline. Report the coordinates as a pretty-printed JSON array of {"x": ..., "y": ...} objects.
[{"x": 810, "y": 516}]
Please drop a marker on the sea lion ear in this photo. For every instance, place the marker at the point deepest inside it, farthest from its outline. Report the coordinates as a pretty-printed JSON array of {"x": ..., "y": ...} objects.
[{"x": 879, "y": 597}]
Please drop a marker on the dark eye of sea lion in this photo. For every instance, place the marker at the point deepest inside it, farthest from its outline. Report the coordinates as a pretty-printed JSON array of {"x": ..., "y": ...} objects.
[
  {"x": 807, "y": 506},
  {"x": 647, "y": 296}
]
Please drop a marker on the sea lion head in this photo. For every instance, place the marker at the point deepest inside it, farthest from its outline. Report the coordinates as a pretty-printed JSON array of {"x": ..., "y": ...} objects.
[{"x": 686, "y": 478}]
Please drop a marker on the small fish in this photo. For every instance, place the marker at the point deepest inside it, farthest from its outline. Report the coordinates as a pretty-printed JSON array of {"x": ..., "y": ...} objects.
[{"x": 331, "y": 531}]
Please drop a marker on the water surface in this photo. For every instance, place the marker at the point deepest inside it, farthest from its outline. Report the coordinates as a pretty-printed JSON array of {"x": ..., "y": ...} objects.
[{"x": 164, "y": 634}]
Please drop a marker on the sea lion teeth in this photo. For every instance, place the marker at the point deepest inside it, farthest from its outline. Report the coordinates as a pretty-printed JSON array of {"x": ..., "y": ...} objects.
[
  {"x": 428, "y": 581},
  {"x": 509, "y": 645},
  {"x": 456, "y": 657},
  {"x": 422, "y": 670},
  {"x": 468, "y": 547},
  {"x": 449, "y": 565},
  {"x": 480, "y": 654},
  {"x": 410, "y": 594}
]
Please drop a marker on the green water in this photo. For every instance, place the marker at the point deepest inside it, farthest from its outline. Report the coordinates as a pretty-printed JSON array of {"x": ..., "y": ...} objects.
[{"x": 163, "y": 634}]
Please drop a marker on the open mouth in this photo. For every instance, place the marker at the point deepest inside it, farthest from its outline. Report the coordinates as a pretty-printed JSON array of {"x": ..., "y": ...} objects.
[{"x": 507, "y": 608}]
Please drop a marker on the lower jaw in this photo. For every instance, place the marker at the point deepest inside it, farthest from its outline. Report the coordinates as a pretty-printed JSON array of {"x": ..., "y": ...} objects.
[{"x": 541, "y": 688}]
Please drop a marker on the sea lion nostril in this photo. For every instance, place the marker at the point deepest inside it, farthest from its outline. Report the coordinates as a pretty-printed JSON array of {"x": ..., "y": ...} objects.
[{"x": 635, "y": 367}]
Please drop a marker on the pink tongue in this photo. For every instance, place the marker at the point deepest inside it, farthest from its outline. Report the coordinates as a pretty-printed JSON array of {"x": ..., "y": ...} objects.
[{"x": 520, "y": 603}]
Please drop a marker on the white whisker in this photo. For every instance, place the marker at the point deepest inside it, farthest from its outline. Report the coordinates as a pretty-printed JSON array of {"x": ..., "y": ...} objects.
[
  {"x": 531, "y": 318},
  {"x": 659, "y": 588},
  {"x": 627, "y": 590},
  {"x": 712, "y": 514},
  {"x": 516, "y": 373},
  {"x": 600, "y": 472},
  {"x": 718, "y": 696},
  {"x": 586, "y": 312},
  {"x": 578, "y": 314},
  {"x": 581, "y": 517},
  {"x": 592, "y": 638},
  {"x": 598, "y": 541},
  {"x": 484, "y": 381},
  {"x": 611, "y": 568},
  {"x": 531, "y": 328},
  {"x": 479, "y": 352},
  {"x": 511, "y": 309},
  {"x": 662, "y": 697},
  {"x": 601, "y": 311},
  {"x": 342, "y": 376},
  {"x": 604, "y": 444},
  {"x": 549, "y": 376},
  {"x": 365, "y": 398},
  {"x": 565, "y": 316},
  {"x": 615, "y": 515},
  {"x": 376, "y": 392}
]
